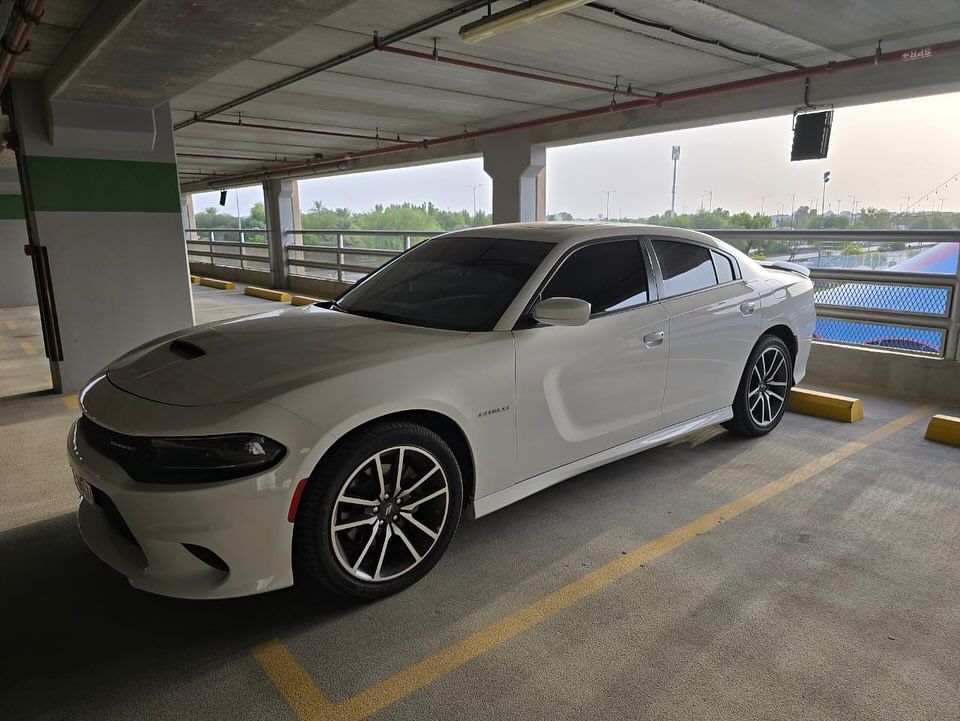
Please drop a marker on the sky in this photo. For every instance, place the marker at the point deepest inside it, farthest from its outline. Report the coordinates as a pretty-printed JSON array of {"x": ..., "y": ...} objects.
[{"x": 879, "y": 154}]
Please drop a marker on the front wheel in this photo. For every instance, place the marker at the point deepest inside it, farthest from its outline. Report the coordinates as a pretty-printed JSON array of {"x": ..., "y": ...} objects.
[
  {"x": 764, "y": 388},
  {"x": 379, "y": 512}
]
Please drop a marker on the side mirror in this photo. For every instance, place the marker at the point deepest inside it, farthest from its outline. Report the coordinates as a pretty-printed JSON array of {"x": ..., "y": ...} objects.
[{"x": 562, "y": 311}]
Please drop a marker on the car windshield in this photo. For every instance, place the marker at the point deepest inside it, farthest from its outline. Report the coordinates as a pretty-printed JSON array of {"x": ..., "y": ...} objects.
[{"x": 451, "y": 282}]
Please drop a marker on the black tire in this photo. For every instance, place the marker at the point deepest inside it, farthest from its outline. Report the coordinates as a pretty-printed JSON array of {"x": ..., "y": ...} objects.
[
  {"x": 744, "y": 422},
  {"x": 322, "y": 556}
]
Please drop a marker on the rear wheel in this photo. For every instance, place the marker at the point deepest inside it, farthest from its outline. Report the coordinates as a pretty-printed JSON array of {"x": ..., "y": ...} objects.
[
  {"x": 379, "y": 512},
  {"x": 764, "y": 388}
]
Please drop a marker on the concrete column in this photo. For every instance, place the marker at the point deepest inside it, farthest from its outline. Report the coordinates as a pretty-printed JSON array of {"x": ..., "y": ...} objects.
[
  {"x": 295, "y": 199},
  {"x": 187, "y": 216},
  {"x": 278, "y": 201},
  {"x": 518, "y": 172},
  {"x": 102, "y": 207},
  {"x": 16, "y": 272}
]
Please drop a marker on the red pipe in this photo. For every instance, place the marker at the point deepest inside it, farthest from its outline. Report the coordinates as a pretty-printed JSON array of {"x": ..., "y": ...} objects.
[
  {"x": 311, "y": 131},
  {"x": 14, "y": 43},
  {"x": 513, "y": 73},
  {"x": 827, "y": 69}
]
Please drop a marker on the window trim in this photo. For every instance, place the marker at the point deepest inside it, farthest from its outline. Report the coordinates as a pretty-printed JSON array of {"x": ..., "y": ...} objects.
[
  {"x": 737, "y": 274},
  {"x": 526, "y": 321}
]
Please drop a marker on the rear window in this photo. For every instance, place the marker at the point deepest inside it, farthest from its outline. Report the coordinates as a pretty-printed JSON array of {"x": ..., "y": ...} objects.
[
  {"x": 686, "y": 267},
  {"x": 724, "y": 267}
]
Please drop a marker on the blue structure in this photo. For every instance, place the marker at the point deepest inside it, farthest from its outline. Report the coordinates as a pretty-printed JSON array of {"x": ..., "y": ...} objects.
[{"x": 940, "y": 258}]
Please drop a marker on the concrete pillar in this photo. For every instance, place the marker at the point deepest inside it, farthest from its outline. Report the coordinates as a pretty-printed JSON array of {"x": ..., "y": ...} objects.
[
  {"x": 16, "y": 272},
  {"x": 295, "y": 199},
  {"x": 187, "y": 216},
  {"x": 518, "y": 172},
  {"x": 278, "y": 201},
  {"x": 103, "y": 212}
]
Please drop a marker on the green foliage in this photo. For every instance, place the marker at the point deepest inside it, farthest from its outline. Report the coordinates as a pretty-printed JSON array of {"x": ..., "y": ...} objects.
[{"x": 852, "y": 249}]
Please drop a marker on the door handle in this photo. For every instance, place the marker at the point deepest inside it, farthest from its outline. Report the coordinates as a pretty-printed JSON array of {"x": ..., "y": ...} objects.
[
  {"x": 748, "y": 307},
  {"x": 652, "y": 340}
]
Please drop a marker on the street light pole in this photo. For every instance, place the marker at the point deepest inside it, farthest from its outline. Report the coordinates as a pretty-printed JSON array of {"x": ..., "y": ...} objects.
[
  {"x": 793, "y": 210},
  {"x": 823, "y": 196},
  {"x": 474, "y": 189},
  {"x": 675, "y": 155},
  {"x": 608, "y": 193}
]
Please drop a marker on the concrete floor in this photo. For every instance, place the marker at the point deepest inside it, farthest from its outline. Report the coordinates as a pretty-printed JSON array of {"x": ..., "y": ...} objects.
[{"x": 836, "y": 597}]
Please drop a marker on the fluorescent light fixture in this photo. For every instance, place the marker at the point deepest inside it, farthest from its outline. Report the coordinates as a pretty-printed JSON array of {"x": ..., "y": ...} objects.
[{"x": 522, "y": 14}]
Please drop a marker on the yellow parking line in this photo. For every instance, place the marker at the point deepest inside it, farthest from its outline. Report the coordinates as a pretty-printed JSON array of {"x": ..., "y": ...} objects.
[
  {"x": 293, "y": 682},
  {"x": 309, "y": 703},
  {"x": 71, "y": 402},
  {"x": 28, "y": 348},
  {"x": 9, "y": 325}
]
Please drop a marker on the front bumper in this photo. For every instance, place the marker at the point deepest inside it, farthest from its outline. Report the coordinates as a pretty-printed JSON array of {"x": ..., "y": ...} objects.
[{"x": 140, "y": 529}]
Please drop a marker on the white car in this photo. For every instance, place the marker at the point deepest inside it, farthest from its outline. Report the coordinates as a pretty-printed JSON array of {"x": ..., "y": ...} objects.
[{"x": 341, "y": 443}]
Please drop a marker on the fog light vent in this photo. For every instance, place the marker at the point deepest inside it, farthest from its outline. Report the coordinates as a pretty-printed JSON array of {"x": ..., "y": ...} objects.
[{"x": 207, "y": 556}]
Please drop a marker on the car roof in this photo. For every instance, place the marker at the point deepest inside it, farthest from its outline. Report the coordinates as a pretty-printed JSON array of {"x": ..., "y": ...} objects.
[{"x": 569, "y": 233}]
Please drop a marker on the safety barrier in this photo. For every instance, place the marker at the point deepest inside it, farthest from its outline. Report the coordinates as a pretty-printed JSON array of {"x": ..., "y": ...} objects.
[
  {"x": 345, "y": 255},
  {"x": 890, "y": 289},
  {"x": 897, "y": 290}
]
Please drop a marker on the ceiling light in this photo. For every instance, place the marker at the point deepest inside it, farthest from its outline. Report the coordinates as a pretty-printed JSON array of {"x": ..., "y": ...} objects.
[{"x": 522, "y": 14}]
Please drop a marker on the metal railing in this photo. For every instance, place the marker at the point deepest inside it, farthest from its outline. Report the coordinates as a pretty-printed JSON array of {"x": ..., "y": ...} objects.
[
  {"x": 897, "y": 290},
  {"x": 249, "y": 252},
  {"x": 345, "y": 255},
  {"x": 872, "y": 288}
]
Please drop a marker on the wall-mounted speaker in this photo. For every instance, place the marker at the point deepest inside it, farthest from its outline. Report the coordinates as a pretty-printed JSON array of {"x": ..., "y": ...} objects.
[{"x": 811, "y": 135}]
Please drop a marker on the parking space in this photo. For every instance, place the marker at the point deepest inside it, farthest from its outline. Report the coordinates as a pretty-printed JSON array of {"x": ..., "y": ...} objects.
[{"x": 811, "y": 573}]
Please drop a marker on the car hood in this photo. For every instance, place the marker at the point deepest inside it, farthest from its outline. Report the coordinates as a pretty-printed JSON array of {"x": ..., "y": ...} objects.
[{"x": 256, "y": 357}]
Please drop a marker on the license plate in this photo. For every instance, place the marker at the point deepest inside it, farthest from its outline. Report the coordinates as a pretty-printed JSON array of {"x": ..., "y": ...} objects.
[{"x": 85, "y": 489}]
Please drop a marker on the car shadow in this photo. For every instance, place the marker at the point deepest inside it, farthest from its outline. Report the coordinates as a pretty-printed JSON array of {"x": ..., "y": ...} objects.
[{"x": 78, "y": 631}]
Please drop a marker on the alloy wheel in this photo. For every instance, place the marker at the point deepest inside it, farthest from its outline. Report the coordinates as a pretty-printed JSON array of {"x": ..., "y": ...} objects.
[
  {"x": 389, "y": 513},
  {"x": 768, "y": 386}
]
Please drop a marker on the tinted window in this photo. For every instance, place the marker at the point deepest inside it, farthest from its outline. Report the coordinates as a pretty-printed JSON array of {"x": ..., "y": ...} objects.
[
  {"x": 686, "y": 267},
  {"x": 724, "y": 267},
  {"x": 458, "y": 283},
  {"x": 609, "y": 276}
]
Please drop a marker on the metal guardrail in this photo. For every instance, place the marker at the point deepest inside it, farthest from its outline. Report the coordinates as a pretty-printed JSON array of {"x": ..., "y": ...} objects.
[
  {"x": 859, "y": 300},
  {"x": 863, "y": 295},
  {"x": 247, "y": 253},
  {"x": 346, "y": 255}
]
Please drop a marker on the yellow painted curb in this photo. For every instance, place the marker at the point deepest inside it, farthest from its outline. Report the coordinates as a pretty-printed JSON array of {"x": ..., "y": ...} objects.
[
  {"x": 825, "y": 405},
  {"x": 214, "y": 283},
  {"x": 194, "y": 278},
  {"x": 267, "y": 294},
  {"x": 944, "y": 429},
  {"x": 303, "y": 300}
]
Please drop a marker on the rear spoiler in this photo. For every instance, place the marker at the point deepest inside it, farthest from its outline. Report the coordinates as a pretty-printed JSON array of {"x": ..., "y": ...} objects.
[{"x": 786, "y": 265}]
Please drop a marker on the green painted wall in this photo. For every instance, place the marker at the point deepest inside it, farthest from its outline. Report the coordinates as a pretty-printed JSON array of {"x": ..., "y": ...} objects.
[
  {"x": 11, "y": 207},
  {"x": 102, "y": 186}
]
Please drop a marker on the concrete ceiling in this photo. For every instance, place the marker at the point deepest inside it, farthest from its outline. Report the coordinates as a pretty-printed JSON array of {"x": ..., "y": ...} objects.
[{"x": 176, "y": 50}]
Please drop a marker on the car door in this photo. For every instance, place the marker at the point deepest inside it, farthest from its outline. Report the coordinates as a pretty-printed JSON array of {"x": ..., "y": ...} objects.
[
  {"x": 587, "y": 388},
  {"x": 714, "y": 321}
]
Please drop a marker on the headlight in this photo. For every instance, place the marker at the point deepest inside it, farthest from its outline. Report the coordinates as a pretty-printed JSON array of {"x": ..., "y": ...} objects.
[
  {"x": 209, "y": 458},
  {"x": 194, "y": 459}
]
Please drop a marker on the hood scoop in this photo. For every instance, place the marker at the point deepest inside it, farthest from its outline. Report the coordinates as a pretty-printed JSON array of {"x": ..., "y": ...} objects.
[{"x": 186, "y": 350}]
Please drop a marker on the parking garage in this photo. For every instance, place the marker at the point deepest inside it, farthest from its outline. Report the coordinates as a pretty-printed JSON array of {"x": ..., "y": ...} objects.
[{"x": 809, "y": 573}]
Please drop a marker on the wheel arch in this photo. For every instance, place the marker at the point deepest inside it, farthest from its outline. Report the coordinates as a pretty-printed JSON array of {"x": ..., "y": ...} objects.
[
  {"x": 443, "y": 425},
  {"x": 789, "y": 338}
]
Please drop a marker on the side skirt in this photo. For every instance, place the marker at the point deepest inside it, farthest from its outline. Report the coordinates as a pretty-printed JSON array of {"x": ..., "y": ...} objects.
[{"x": 512, "y": 494}]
